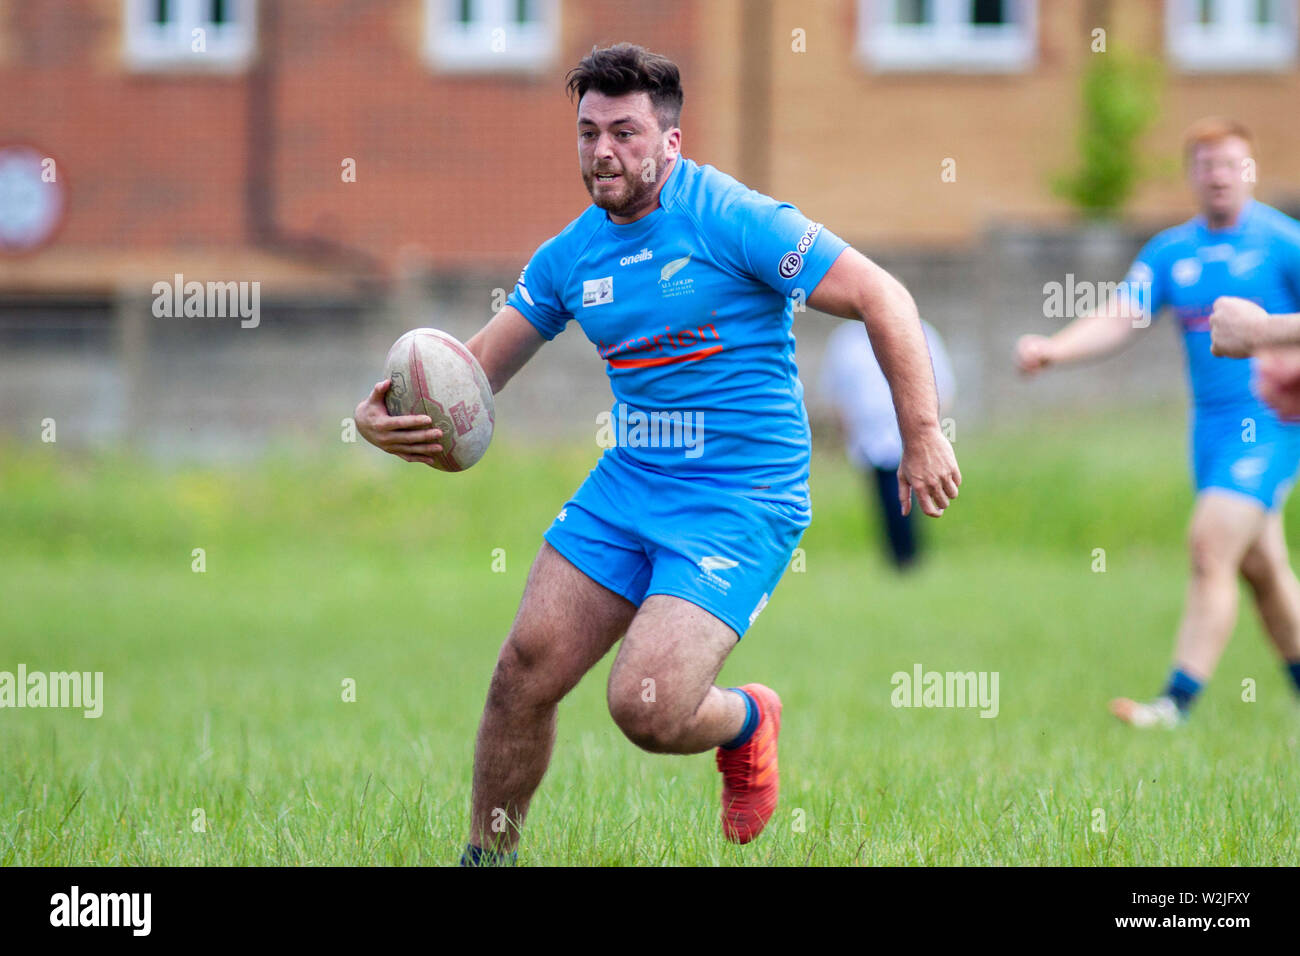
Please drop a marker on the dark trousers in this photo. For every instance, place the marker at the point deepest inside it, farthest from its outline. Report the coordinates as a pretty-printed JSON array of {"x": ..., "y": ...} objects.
[{"x": 900, "y": 531}]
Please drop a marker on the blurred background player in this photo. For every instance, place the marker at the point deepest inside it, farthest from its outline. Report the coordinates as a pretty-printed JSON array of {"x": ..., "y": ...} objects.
[
  {"x": 856, "y": 388},
  {"x": 1244, "y": 458}
]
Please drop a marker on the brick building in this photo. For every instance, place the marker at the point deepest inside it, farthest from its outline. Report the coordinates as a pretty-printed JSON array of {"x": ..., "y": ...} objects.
[{"x": 211, "y": 137}]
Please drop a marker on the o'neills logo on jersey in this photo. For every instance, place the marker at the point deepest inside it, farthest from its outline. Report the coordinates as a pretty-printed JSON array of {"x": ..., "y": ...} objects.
[
  {"x": 642, "y": 256},
  {"x": 666, "y": 348}
]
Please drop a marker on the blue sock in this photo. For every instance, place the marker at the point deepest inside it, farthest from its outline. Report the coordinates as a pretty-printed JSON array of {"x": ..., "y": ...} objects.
[
  {"x": 751, "y": 721},
  {"x": 1293, "y": 668},
  {"x": 1183, "y": 688},
  {"x": 477, "y": 856}
]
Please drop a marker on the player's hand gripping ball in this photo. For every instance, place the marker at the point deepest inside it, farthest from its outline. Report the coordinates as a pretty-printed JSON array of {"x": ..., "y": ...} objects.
[{"x": 434, "y": 374}]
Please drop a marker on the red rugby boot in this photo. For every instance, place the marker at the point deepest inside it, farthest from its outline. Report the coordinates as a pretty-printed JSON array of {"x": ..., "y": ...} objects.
[{"x": 750, "y": 779}]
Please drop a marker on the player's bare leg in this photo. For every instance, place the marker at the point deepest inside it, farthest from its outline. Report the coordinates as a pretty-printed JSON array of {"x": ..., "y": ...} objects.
[
  {"x": 662, "y": 694},
  {"x": 565, "y": 625},
  {"x": 1224, "y": 527},
  {"x": 661, "y": 691},
  {"x": 1267, "y": 569}
]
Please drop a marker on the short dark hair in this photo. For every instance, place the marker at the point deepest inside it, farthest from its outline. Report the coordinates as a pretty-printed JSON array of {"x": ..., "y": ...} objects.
[{"x": 628, "y": 68}]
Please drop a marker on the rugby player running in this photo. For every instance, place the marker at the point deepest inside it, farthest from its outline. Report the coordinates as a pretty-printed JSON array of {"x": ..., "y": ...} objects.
[
  {"x": 683, "y": 280},
  {"x": 1244, "y": 458}
]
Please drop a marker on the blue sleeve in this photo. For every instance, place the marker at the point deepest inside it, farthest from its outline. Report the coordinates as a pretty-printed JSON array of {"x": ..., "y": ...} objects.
[
  {"x": 537, "y": 294},
  {"x": 1147, "y": 281},
  {"x": 1286, "y": 246},
  {"x": 778, "y": 245}
]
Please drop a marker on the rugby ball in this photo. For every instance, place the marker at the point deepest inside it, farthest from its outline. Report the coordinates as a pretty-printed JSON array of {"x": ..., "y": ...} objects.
[{"x": 434, "y": 374}]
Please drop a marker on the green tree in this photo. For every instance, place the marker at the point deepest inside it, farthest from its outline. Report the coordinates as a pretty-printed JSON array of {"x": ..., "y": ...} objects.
[{"x": 1119, "y": 101}]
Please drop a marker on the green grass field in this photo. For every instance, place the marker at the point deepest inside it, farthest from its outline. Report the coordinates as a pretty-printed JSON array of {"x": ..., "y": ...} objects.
[{"x": 223, "y": 689}]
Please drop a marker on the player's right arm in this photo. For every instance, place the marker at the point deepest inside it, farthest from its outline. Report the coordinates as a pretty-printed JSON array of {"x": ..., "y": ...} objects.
[
  {"x": 502, "y": 348},
  {"x": 409, "y": 437},
  {"x": 1109, "y": 327},
  {"x": 534, "y": 312},
  {"x": 1093, "y": 335}
]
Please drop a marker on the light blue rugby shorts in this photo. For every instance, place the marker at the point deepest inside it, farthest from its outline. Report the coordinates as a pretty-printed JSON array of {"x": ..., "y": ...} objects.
[
  {"x": 1245, "y": 450},
  {"x": 639, "y": 532}
]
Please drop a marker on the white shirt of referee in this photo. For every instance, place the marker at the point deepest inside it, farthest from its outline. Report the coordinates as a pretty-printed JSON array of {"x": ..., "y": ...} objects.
[{"x": 853, "y": 383}]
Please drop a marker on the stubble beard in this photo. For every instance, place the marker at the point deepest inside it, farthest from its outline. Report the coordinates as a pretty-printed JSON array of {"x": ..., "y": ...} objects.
[{"x": 634, "y": 197}]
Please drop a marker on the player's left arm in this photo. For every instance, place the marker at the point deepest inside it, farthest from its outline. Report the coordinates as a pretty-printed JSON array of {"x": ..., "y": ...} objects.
[{"x": 857, "y": 288}]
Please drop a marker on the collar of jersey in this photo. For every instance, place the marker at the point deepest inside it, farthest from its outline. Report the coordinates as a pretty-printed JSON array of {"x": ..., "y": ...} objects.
[
  {"x": 667, "y": 197},
  {"x": 1243, "y": 220}
]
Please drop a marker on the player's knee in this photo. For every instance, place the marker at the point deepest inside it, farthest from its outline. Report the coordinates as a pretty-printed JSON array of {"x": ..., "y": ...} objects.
[
  {"x": 1207, "y": 555},
  {"x": 648, "y": 723},
  {"x": 1254, "y": 568},
  {"x": 524, "y": 674},
  {"x": 1263, "y": 567}
]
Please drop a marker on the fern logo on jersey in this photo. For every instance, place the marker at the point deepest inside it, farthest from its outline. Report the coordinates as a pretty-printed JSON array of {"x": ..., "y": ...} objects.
[
  {"x": 674, "y": 267},
  {"x": 1245, "y": 263},
  {"x": 669, "y": 286}
]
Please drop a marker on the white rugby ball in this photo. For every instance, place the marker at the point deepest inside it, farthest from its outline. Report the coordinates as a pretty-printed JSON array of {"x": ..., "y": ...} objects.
[{"x": 434, "y": 374}]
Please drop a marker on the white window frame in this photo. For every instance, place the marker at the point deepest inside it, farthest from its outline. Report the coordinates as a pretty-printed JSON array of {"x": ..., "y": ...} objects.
[
  {"x": 1234, "y": 42},
  {"x": 492, "y": 42},
  {"x": 153, "y": 46},
  {"x": 949, "y": 43}
]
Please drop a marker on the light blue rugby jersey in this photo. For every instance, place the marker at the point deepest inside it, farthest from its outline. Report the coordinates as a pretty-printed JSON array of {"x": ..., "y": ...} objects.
[
  {"x": 1190, "y": 265},
  {"x": 690, "y": 307}
]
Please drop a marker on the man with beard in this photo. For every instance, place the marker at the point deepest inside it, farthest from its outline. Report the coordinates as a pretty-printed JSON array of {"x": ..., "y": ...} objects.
[{"x": 683, "y": 280}]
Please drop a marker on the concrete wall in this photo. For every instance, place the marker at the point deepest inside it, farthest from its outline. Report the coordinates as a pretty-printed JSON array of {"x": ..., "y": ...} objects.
[{"x": 208, "y": 388}]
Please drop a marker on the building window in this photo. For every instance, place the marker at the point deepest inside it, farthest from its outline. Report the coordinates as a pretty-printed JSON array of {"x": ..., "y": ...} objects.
[
  {"x": 1231, "y": 35},
  {"x": 977, "y": 36},
  {"x": 190, "y": 34},
  {"x": 491, "y": 35}
]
